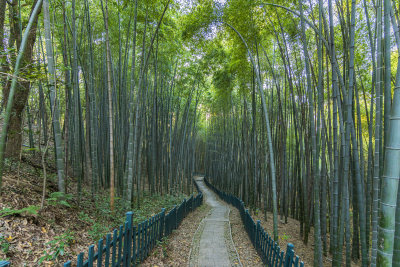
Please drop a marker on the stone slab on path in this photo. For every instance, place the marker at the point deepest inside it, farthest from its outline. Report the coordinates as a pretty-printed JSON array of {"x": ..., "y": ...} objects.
[{"x": 214, "y": 246}]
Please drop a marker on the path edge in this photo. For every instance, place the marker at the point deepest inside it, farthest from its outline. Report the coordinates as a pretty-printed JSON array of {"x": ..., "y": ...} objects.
[{"x": 230, "y": 235}]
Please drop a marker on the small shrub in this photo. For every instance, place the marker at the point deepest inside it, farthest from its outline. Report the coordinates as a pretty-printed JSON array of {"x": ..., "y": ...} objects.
[
  {"x": 4, "y": 245},
  {"x": 57, "y": 246},
  {"x": 59, "y": 198},
  {"x": 84, "y": 217},
  {"x": 256, "y": 211},
  {"x": 285, "y": 237}
]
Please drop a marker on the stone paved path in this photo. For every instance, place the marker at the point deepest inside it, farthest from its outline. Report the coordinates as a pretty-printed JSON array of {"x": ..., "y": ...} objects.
[{"x": 215, "y": 246}]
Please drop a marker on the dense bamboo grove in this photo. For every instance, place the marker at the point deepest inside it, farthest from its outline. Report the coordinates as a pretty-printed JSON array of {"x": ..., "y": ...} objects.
[
  {"x": 291, "y": 105},
  {"x": 105, "y": 77},
  {"x": 329, "y": 71}
]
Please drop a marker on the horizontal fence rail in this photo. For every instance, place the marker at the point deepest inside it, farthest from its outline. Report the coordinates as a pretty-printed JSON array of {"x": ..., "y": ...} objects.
[
  {"x": 269, "y": 250},
  {"x": 129, "y": 245}
]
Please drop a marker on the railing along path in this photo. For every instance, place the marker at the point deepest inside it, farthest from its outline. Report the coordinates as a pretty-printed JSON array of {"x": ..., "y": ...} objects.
[
  {"x": 129, "y": 245},
  {"x": 269, "y": 250}
]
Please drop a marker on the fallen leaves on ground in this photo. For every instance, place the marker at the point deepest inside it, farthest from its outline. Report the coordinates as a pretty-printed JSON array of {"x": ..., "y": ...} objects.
[
  {"x": 247, "y": 253},
  {"x": 290, "y": 233},
  {"x": 26, "y": 236}
]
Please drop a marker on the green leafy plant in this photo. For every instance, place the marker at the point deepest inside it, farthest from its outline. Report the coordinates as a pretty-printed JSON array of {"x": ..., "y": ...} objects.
[
  {"x": 164, "y": 245},
  {"x": 9, "y": 163},
  {"x": 59, "y": 198},
  {"x": 285, "y": 237},
  {"x": 8, "y": 211},
  {"x": 256, "y": 211},
  {"x": 85, "y": 217},
  {"x": 57, "y": 246},
  {"x": 4, "y": 245},
  {"x": 97, "y": 231}
]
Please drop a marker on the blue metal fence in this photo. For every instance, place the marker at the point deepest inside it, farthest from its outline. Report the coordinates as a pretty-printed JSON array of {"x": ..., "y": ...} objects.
[
  {"x": 269, "y": 251},
  {"x": 130, "y": 245}
]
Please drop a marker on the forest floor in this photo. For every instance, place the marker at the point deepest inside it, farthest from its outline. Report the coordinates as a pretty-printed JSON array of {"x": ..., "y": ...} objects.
[
  {"x": 58, "y": 232},
  {"x": 247, "y": 254}
]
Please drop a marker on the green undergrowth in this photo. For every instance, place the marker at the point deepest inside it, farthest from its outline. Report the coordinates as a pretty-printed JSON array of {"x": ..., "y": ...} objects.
[
  {"x": 152, "y": 205},
  {"x": 92, "y": 210},
  {"x": 102, "y": 220},
  {"x": 57, "y": 246},
  {"x": 72, "y": 218}
]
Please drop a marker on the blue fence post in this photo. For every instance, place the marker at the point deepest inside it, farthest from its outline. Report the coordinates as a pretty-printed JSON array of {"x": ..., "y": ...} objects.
[
  {"x": 91, "y": 256},
  {"x": 79, "y": 261},
  {"x": 100, "y": 253},
  {"x": 289, "y": 255},
  {"x": 108, "y": 242},
  {"x": 120, "y": 237},
  {"x": 162, "y": 230},
  {"x": 184, "y": 207},
  {"x": 247, "y": 225},
  {"x": 5, "y": 263},
  {"x": 114, "y": 247},
  {"x": 176, "y": 218},
  {"x": 258, "y": 226},
  {"x": 133, "y": 246},
  {"x": 146, "y": 236},
  {"x": 67, "y": 264},
  {"x": 128, "y": 239}
]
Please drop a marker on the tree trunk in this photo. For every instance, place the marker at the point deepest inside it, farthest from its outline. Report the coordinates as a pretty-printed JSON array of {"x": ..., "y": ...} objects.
[
  {"x": 53, "y": 99},
  {"x": 14, "y": 134},
  {"x": 110, "y": 106},
  {"x": 27, "y": 40}
]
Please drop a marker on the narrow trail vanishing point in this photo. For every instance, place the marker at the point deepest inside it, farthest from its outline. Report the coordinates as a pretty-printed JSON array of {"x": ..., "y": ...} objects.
[{"x": 212, "y": 244}]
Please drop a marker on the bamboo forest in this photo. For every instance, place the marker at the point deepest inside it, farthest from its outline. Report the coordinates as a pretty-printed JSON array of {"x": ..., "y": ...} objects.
[{"x": 200, "y": 133}]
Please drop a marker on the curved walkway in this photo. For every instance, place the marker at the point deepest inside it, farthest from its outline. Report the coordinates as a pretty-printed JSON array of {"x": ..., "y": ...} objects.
[{"x": 212, "y": 245}]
